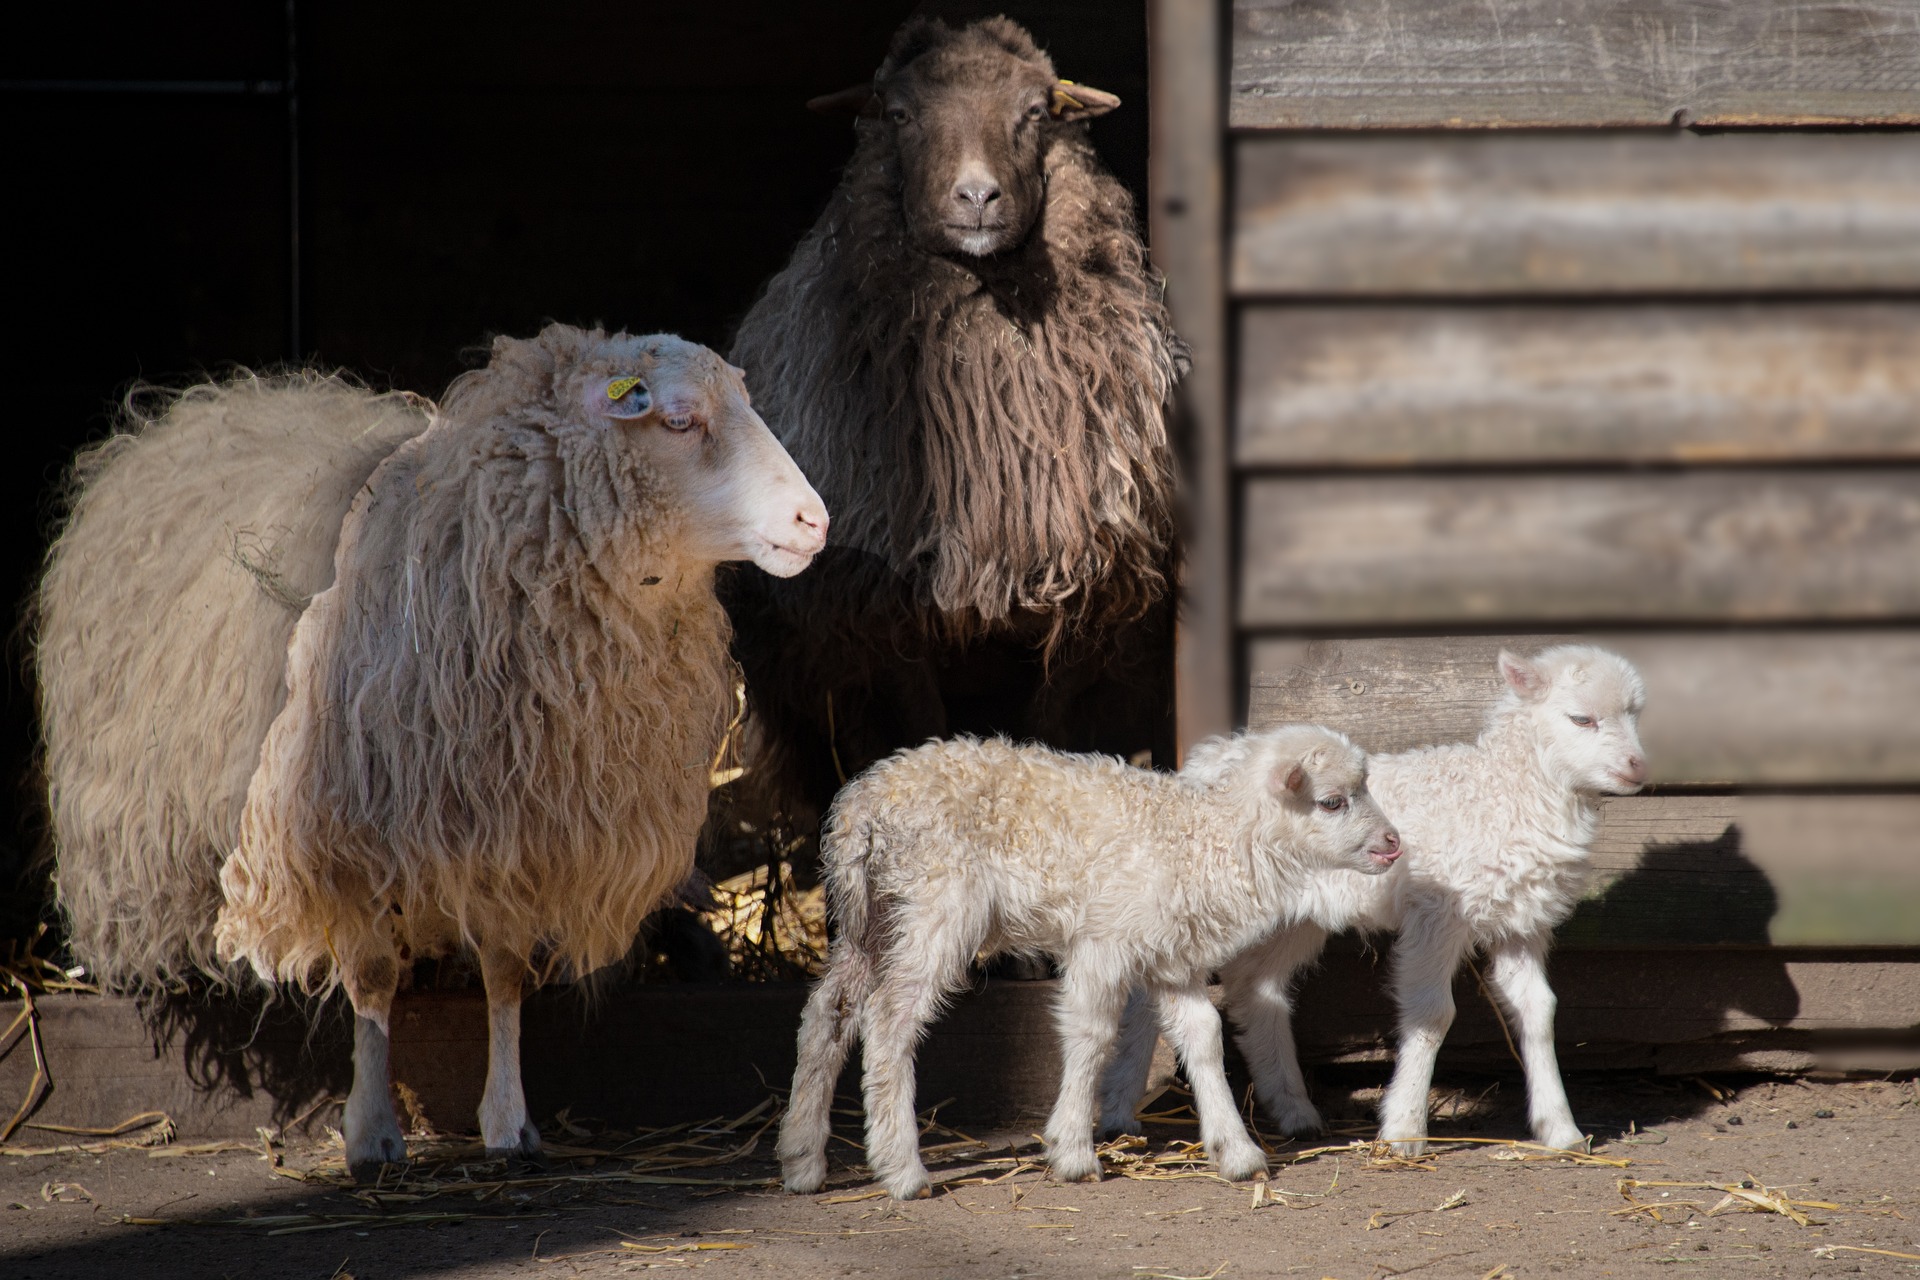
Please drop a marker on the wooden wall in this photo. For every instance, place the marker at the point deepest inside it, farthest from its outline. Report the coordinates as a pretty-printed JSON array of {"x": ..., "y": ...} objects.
[{"x": 1581, "y": 318}]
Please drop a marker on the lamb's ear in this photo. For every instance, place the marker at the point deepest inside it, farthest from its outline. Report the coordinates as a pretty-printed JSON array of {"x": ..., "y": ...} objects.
[
  {"x": 1289, "y": 777},
  {"x": 1080, "y": 101},
  {"x": 857, "y": 100},
  {"x": 1522, "y": 676}
]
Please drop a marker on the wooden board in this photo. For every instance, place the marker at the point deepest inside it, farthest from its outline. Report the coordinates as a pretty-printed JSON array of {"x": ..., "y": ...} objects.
[
  {"x": 995, "y": 1054},
  {"x": 1797, "y": 708},
  {"x": 1336, "y": 386},
  {"x": 1672, "y": 547},
  {"x": 1459, "y": 63},
  {"x": 1646, "y": 213},
  {"x": 1185, "y": 207}
]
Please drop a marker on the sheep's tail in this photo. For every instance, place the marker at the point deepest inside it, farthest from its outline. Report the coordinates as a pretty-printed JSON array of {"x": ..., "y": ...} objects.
[{"x": 834, "y": 1009}]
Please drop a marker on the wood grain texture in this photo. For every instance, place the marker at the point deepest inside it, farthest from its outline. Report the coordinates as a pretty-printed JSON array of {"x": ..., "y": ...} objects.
[
  {"x": 1185, "y": 205},
  {"x": 1383, "y": 386},
  {"x": 1723, "y": 708},
  {"x": 1698, "y": 546},
  {"x": 1546, "y": 214},
  {"x": 1464, "y": 64}
]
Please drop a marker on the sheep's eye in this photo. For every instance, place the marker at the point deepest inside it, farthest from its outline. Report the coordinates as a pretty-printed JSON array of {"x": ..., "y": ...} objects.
[
  {"x": 1037, "y": 112},
  {"x": 681, "y": 422},
  {"x": 1333, "y": 804},
  {"x": 898, "y": 115},
  {"x": 1585, "y": 722}
]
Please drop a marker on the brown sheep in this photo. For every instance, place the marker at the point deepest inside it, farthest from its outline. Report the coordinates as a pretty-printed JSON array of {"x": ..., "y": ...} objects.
[{"x": 969, "y": 356}]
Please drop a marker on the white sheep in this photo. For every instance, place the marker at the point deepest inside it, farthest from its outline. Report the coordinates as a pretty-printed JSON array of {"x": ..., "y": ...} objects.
[
  {"x": 1123, "y": 875},
  {"x": 1496, "y": 835},
  {"x": 501, "y": 717}
]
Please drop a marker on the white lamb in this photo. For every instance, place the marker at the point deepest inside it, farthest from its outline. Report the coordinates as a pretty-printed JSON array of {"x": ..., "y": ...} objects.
[
  {"x": 1496, "y": 836},
  {"x": 1125, "y": 876}
]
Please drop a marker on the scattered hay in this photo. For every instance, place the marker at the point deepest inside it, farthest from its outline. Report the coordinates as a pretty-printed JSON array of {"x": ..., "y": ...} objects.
[
  {"x": 149, "y": 1129},
  {"x": 773, "y": 929},
  {"x": 1745, "y": 1196}
]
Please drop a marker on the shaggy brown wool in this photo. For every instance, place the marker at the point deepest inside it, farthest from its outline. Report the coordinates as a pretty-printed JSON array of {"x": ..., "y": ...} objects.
[
  {"x": 195, "y": 537},
  {"x": 991, "y": 430},
  {"x": 500, "y": 719}
]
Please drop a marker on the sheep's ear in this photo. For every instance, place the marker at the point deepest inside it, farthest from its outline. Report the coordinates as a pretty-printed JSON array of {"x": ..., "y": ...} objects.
[
  {"x": 857, "y": 100},
  {"x": 1080, "y": 101},
  {"x": 1522, "y": 676},
  {"x": 626, "y": 397}
]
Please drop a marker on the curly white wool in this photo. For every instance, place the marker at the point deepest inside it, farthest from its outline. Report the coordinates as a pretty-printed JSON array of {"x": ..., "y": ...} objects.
[
  {"x": 1125, "y": 876},
  {"x": 1497, "y": 834}
]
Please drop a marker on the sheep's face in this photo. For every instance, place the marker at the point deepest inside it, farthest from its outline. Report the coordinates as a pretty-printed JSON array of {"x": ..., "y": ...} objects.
[
  {"x": 1319, "y": 779},
  {"x": 685, "y": 413},
  {"x": 970, "y": 113},
  {"x": 1583, "y": 707}
]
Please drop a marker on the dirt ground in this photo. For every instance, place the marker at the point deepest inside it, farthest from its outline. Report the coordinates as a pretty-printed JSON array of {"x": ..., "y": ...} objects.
[{"x": 1844, "y": 1153}]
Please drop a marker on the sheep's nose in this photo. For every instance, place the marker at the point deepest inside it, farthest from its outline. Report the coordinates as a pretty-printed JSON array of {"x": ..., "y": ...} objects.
[
  {"x": 976, "y": 192},
  {"x": 812, "y": 521},
  {"x": 1392, "y": 840},
  {"x": 1636, "y": 770}
]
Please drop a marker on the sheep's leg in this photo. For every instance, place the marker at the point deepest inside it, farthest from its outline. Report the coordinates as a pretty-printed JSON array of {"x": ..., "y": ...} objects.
[
  {"x": 910, "y": 990},
  {"x": 1124, "y": 1084},
  {"x": 827, "y": 1028},
  {"x": 1423, "y": 965},
  {"x": 504, "y": 1127},
  {"x": 371, "y": 1129},
  {"x": 1518, "y": 972},
  {"x": 1259, "y": 984},
  {"x": 1088, "y": 1016},
  {"x": 1193, "y": 1024}
]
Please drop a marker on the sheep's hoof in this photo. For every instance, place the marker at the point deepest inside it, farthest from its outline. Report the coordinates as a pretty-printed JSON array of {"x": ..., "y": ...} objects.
[
  {"x": 911, "y": 1186},
  {"x": 524, "y": 1152},
  {"x": 805, "y": 1175},
  {"x": 369, "y": 1154},
  {"x": 1566, "y": 1140},
  {"x": 1411, "y": 1147}
]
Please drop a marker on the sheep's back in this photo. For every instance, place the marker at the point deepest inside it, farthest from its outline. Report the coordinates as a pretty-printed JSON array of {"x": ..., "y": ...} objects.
[{"x": 191, "y": 548}]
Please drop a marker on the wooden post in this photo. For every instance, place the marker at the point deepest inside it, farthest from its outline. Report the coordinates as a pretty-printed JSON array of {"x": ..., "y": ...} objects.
[{"x": 1186, "y": 221}]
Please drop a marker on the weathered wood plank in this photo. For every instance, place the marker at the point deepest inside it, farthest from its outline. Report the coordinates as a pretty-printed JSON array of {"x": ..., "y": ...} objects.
[
  {"x": 1708, "y": 546},
  {"x": 1459, "y": 63},
  {"x": 1185, "y": 205},
  {"x": 1723, "y": 708},
  {"x": 1545, "y": 215},
  {"x": 1383, "y": 386}
]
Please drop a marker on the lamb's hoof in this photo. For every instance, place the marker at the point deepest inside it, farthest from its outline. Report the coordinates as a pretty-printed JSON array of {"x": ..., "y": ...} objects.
[
  {"x": 1566, "y": 1140},
  {"x": 1074, "y": 1166},
  {"x": 1296, "y": 1117},
  {"x": 804, "y": 1175},
  {"x": 1240, "y": 1164},
  {"x": 911, "y": 1185},
  {"x": 1410, "y": 1147}
]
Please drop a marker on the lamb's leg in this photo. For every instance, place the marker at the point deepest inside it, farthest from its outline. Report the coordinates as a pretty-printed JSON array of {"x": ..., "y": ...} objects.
[
  {"x": 1088, "y": 1016},
  {"x": 827, "y": 1028},
  {"x": 1424, "y": 961},
  {"x": 1518, "y": 971},
  {"x": 1193, "y": 1025},
  {"x": 913, "y": 982},
  {"x": 1124, "y": 1083},
  {"x": 1259, "y": 984},
  {"x": 504, "y": 1127},
  {"x": 371, "y": 1129}
]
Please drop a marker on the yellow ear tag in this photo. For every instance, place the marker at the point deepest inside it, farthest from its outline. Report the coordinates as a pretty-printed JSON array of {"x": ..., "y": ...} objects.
[
  {"x": 1062, "y": 100},
  {"x": 620, "y": 386}
]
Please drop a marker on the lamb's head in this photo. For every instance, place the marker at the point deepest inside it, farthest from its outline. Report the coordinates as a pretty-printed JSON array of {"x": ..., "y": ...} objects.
[
  {"x": 681, "y": 413},
  {"x": 969, "y": 115},
  {"x": 1309, "y": 787},
  {"x": 1580, "y": 707}
]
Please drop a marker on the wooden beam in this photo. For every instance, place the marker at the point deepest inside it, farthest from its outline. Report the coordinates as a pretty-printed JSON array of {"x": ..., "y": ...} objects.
[
  {"x": 1791, "y": 708},
  {"x": 1672, "y": 213},
  {"x": 1465, "y": 64},
  {"x": 1334, "y": 386},
  {"x": 1186, "y": 217},
  {"x": 1698, "y": 546}
]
